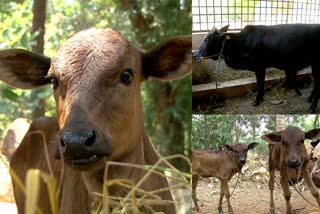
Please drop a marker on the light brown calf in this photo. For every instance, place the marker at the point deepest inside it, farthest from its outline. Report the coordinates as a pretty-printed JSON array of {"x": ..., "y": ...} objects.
[
  {"x": 96, "y": 77},
  {"x": 287, "y": 153},
  {"x": 315, "y": 160},
  {"x": 221, "y": 164}
]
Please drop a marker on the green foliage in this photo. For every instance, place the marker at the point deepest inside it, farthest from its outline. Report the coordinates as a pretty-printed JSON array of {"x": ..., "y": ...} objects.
[{"x": 211, "y": 131}]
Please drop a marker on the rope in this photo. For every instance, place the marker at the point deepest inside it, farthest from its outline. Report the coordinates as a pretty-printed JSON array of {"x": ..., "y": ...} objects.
[
  {"x": 294, "y": 186},
  {"x": 219, "y": 60},
  {"x": 230, "y": 194}
]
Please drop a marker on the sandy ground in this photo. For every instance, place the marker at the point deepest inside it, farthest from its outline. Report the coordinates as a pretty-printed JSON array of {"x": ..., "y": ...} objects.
[
  {"x": 252, "y": 195},
  {"x": 276, "y": 101}
]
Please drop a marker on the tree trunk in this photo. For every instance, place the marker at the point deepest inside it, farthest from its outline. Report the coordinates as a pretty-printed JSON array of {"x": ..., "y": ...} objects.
[
  {"x": 316, "y": 121},
  {"x": 39, "y": 18},
  {"x": 280, "y": 121},
  {"x": 206, "y": 130},
  {"x": 237, "y": 129},
  {"x": 38, "y": 22}
]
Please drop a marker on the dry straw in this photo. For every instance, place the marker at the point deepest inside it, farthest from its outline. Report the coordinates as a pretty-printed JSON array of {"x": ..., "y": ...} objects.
[{"x": 122, "y": 205}]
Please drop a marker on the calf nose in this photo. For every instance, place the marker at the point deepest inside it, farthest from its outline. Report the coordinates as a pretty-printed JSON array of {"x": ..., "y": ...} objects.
[
  {"x": 293, "y": 163},
  {"x": 77, "y": 144},
  {"x": 242, "y": 160}
]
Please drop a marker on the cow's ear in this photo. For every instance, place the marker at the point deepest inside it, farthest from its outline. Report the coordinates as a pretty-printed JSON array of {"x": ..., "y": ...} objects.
[
  {"x": 252, "y": 145},
  {"x": 23, "y": 69},
  {"x": 227, "y": 147},
  {"x": 312, "y": 134},
  {"x": 224, "y": 29},
  {"x": 272, "y": 138},
  {"x": 315, "y": 143},
  {"x": 170, "y": 60}
]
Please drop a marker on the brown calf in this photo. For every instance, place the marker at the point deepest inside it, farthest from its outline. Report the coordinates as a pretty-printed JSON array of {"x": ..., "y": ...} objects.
[
  {"x": 221, "y": 164},
  {"x": 14, "y": 135},
  {"x": 96, "y": 77},
  {"x": 314, "y": 168},
  {"x": 287, "y": 153}
]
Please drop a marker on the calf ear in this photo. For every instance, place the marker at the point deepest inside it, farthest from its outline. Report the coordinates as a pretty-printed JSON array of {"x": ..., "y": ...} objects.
[
  {"x": 169, "y": 61},
  {"x": 252, "y": 145},
  {"x": 315, "y": 143},
  {"x": 272, "y": 138},
  {"x": 224, "y": 29},
  {"x": 312, "y": 134},
  {"x": 23, "y": 69},
  {"x": 227, "y": 147}
]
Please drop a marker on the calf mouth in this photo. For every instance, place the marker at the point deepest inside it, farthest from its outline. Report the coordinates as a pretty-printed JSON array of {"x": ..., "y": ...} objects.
[{"x": 83, "y": 161}]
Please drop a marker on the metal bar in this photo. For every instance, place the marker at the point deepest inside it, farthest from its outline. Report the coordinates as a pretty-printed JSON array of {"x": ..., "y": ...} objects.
[
  {"x": 207, "y": 14},
  {"x": 239, "y": 13}
]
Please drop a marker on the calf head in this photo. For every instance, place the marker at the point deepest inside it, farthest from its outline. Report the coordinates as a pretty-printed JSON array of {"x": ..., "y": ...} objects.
[
  {"x": 212, "y": 44},
  {"x": 293, "y": 150},
  {"x": 241, "y": 150},
  {"x": 96, "y": 77}
]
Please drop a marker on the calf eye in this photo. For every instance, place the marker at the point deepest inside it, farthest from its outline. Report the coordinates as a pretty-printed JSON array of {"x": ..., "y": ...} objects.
[
  {"x": 127, "y": 76},
  {"x": 54, "y": 82}
]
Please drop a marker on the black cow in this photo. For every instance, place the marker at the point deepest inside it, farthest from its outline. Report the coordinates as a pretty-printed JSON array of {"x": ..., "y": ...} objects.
[{"x": 290, "y": 47}]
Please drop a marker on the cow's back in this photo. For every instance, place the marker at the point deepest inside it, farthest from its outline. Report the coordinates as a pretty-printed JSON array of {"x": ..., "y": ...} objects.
[
  {"x": 207, "y": 163},
  {"x": 30, "y": 154},
  {"x": 287, "y": 47}
]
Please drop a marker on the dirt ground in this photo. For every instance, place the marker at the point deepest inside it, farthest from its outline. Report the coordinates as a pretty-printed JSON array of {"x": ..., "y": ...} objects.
[
  {"x": 251, "y": 195},
  {"x": 279, "y": 100}
]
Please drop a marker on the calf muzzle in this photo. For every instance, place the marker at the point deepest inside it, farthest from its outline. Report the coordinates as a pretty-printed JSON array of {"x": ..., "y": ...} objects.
[
  {"x": 293, "y": 163},
  {"x": 80, "y": 147}
]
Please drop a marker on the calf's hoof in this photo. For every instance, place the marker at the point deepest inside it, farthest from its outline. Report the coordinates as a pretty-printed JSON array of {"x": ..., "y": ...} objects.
[
  {"x": 197, "y": 209},
  {"x": 292, "y": 211},
  {"x": 275, "y": 212},
  {"x": 220, "y": 211},
  {"x": 311, "y": 110},
  {"x": 310, "y": 99}
]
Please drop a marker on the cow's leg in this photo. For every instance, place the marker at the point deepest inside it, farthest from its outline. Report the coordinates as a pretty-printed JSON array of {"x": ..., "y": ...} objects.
[
  {"x": 271, "y": 188},
  {"x": 291, "y": 81},
  {"x": 195, "y": 179},
  {"x": 227, "y": 194},
  {"x": 315, "y": 95},
  {"x": 307, "y": 178},
  {"x": 260, "y": 76},
  {"x": 221, "y": 198},
  {"x": 286, "y": 190}
]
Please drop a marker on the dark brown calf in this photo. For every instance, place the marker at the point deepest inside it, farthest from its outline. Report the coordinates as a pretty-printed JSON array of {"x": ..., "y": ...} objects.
[
  {"x": 96, "y": 77},
  {"x": 287, "y": 153},
  {"x": 221, "y": 164}
]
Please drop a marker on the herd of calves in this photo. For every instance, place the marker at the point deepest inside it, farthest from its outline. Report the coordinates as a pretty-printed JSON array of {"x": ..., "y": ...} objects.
[{"x": 287, "y": 153}]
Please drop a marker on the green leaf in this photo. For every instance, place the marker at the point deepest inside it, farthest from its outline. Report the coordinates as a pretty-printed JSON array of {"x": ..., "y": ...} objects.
[{"x": 10, "y": 94}]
